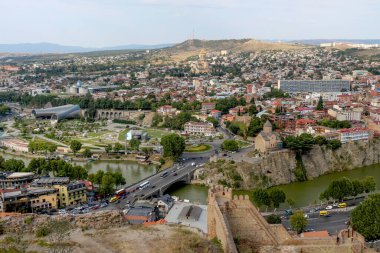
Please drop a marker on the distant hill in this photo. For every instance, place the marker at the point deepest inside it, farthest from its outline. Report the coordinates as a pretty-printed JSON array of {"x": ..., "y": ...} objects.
[
  {"x": 354, "y": 41},
  {"x": 190, "y": 48},
  {"x": 48, "y": 48}
]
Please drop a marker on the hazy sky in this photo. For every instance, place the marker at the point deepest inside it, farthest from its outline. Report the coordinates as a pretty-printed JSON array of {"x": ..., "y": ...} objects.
[{"x": 97, "y": 23}]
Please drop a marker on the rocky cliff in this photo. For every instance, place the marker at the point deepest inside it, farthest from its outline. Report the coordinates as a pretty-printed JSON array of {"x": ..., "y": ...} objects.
[{"x": 281, "y": 167}]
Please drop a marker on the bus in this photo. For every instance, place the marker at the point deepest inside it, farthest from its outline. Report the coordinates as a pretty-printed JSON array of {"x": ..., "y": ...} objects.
[
  {"x": 144, "y": 185},
  {"x": 120, "y": 192},
  {"x": 165, "y": 174}
]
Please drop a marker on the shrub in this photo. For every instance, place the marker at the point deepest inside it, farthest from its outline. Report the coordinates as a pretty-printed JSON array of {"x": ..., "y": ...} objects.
[
  {"x": 28, "y": 220},
  {"x": 273, "y": 219},
  {"x": 42, "y": 231}
]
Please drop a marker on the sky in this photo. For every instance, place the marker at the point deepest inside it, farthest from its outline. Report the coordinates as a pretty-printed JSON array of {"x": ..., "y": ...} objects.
[{"x": 100, "y": 23}]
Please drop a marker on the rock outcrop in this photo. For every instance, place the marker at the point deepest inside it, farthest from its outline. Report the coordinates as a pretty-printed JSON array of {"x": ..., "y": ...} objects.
[{"x": 279, "y": 168}]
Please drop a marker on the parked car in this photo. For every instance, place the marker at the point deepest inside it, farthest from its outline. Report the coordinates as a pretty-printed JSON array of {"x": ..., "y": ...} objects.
[
  {"x": 329, "y": 207},
  {"x": 62, "y": 211}
]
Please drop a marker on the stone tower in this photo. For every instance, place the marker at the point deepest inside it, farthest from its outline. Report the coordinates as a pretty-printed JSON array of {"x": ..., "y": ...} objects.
[{"x": 267, "y": 127}]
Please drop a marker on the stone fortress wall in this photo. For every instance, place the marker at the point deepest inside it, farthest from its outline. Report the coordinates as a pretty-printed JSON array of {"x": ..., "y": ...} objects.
[{"x": 234, "y": 217}]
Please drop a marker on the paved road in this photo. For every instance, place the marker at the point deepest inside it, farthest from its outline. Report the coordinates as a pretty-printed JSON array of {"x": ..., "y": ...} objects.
[
  {"x": 157, "y": 182},
  {"x": 332, "y": 224}
]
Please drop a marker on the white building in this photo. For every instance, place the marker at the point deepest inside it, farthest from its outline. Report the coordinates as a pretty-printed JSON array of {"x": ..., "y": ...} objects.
[
  {"x": 199, "y": 128},
  {"x": 342, "y": 115},
  {"x": 353, "y": 134}
]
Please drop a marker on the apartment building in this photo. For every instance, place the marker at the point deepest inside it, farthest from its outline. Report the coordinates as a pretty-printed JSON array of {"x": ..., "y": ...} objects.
[
  {"x": 345, "y": 114},
  {"x": 298, "y": 86},
  {"x": 354, "y": 134},
  {"x": 200, "y": 128},
  {"x": 71, "y": 194},
  {"x": 15, "y": 180}
]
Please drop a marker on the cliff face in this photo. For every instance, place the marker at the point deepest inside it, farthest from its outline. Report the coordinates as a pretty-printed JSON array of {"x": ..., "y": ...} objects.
[{"x": 279, "y": 168}]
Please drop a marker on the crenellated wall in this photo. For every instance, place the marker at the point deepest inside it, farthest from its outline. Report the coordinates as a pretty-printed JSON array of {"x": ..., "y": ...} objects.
[{"x": 234, "y": 217}]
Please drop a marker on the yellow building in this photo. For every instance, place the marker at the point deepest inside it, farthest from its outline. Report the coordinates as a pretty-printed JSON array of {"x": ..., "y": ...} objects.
[
  {"x": 71, "y": 194},
  {"x": 47, "y": 201}
]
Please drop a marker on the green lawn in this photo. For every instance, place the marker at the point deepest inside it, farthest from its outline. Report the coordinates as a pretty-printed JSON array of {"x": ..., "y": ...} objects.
[
  {"x": 243, "y": 144},
  {"x": 198, "y": 148},
  {"x": 122, "y": 134},
  {"x": 157, "y": 133}
]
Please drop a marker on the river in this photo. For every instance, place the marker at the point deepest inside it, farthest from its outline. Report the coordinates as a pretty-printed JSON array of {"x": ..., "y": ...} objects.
[{"x": 303, "y": 193}]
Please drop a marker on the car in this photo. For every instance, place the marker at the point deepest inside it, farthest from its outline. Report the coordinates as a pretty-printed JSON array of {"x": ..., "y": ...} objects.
[
  {"x": 153, "y": 186},
  {"x": 312, "y": 211},
  {"x": 329, "y": 207},
  {"x": 306, "y": 216},
  {"x": 103, "y": 205},
  {"x": 142, "y": 195},
  {"x": 342, "y": 205},
  {"x": 175, "y": 174},
  {"x": 95, "y": 207},
  {"x": 62, "y": 211},
  {"x": 117, "y": 201}
]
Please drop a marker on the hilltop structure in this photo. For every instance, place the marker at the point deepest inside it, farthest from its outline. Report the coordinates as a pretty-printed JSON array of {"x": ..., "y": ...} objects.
[
  {"x": 267, "y": 140},
  {"x": 201, "y": 66}
]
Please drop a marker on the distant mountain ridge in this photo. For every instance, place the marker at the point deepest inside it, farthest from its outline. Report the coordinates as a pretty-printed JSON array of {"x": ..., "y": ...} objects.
[
  {"x": 316, "y": 42},
  {"x": 48, "y": 48}
]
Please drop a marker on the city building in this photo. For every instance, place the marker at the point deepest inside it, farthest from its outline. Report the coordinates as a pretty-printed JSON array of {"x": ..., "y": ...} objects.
[
  {"x": 136, "y": 134},
  {"x": 15, "y": 180},
  {"x": 200, "y": 66},
  {"x": 140, "y": 214},
  {"x": 341, "y": 114},
  {"x": 200, "y": 128},
  {"x": 298, "y": 86},
  {"x": 28, "y": 200},
  {"x": 354, "y": 134},
  {"x": 207, "y": 107},
  {"x": 71, "y": 194},
  {"x": 267, "y": 140},
  {"x": 166, "y": 110},
  {"x": 14, "y": 144},
  {"x": 58, "y": 113}
]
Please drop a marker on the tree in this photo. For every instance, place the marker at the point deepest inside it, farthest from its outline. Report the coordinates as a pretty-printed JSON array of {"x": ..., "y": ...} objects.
[
  {"x": 273, "y": 219},
  {"x": 173, "y": 145},
  {"x": 108, "y": 148},
  {"x": 298, "y": 222},
  {"x": 214, "y": 121},
  {"x": 230, "y": 145},
  {"x": 301, "y": 144},
  {"x": 252, "y": 110},
  {"x": 334, "y": 144},
  {"x": 261, "y": 197},
  {"x": 369, "y": 184},
  {"x": 338, "y": 189},
  {"x": 320, "y": 140},
  {"x": 357, "y": 188},
  {"x": 320, "y": 104},
  {"x": 365, "y": 217},
  {"x": 107, "y": 185},
  {"x": 277, "y": 196},
  {"x": 118, "y": 177},
  {"x": 147, "y": 150},
  {"x": 75, "y": 146},
  {"x": 14, "y": 165},
  {"x": 52, "y": 148},
  {"x": 117, "y": 147},
  {"x": 87, "y": 152},
  {"x": 290, "y": 202},
  {"x": 134, "y": 144}
]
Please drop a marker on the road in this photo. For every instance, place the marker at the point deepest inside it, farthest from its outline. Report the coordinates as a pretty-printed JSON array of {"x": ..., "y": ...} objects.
[
  {"x": 332, "y": 224},
  {"x": 157, "y": 182}
]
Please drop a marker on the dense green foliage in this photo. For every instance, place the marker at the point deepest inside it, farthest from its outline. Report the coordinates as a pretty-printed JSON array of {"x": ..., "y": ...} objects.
[
  {"x": 39, "y": 145},
  {"x": 273, "y": 219},
  {"x": 320, "y": 104},
  {"x": 87, "y": 152},
  {"x": 125, "y": 121},
  {"x": 4, "y": 109},
  {"x": 177, "y": 122},
  {"x": 366, "y": 217},
  {"x": 225, "y": 104},
  {"x": 345, "y": 187},
  {"x": 269, "y": 197},
  {"x": 334, "y": 123},
  {"x": 75, "y": 146},
  {"x": 298, "y": 222},
  {"x": 275, "y": 93},
  {"x": 230, "y": 145},
  {"x": 173, "y": 145},
  {"x": 134, "y": 144},
  {"x": 301, "y": 143},
  {"x": 107, "y": 181}
]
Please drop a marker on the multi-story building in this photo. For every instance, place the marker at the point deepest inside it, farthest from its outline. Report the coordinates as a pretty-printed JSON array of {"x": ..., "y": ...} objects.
[
  {"x": 342, "y": 114},
  {"x": 15, "y": 180},
  {"x": 28, "y": 200},
  {"x": 298, "y": 86},
  {"x": 205, "y": 128},
  {"x": 71, "y": 194},
  {"x": 207, "y": 107},
  {"x": 354, "y": 134},
  {"x": 166, "y": 110}
]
